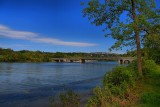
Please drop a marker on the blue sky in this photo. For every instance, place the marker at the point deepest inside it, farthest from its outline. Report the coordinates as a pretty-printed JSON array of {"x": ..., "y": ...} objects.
[{"x": 49, "y": 25}]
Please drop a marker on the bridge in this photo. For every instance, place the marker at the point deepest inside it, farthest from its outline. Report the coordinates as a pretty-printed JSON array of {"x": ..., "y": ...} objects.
[
  {"x": 125, "y": 60},
  {"x": 121, "y": 60}
]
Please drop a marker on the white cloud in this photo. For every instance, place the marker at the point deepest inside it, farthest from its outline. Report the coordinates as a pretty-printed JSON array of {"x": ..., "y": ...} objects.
[
  {"x": 13, "y": 45},
  {"x": 35, "y": 37}
]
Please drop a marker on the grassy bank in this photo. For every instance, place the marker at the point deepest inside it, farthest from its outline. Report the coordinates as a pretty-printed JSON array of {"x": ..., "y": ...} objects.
[
  {"x": 149, "y": 90},
  {"x": 122, "y": 87}
]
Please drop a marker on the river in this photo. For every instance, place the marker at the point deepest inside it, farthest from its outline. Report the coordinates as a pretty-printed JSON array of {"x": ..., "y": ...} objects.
[{"x": 31, "y": 84}]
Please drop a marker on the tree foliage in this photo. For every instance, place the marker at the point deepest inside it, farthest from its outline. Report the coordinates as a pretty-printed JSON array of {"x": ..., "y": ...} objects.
[
  {"x": 127, "y": 21},
  {"x": 152, "y": 44},
  {"x": 116, "y": 17}
]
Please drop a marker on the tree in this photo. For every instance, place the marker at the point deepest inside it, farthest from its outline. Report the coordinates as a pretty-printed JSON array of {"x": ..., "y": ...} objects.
[
  {"x": 126, "y": 20},
  {"x": 152, "y": 44}
]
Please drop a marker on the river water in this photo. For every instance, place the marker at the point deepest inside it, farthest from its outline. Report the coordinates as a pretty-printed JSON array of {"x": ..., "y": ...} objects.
[{"x": 31, "y": 84}]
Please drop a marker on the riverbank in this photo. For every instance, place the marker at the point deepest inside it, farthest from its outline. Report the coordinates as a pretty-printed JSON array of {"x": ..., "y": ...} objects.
[
  {"x": 120, "y": 90},
  {"x": 149, "y": 90},
  {"x": 122, "y": 87}
]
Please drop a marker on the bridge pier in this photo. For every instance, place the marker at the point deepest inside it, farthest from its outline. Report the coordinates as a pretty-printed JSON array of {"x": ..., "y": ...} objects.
[
  {"x": 125, "y": 60},
  {"x": 71, "y": 61},
  {"x": 56, "y": 60},
  {"x": 61, "y": 60},
  {"x": 82, "y": 60},
  {"x": 120, "y": 61}
]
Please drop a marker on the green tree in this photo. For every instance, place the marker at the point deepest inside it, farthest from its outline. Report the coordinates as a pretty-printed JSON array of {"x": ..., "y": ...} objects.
[
  {"x": 152, "y": 44},
  {"x": 129, "y": 31},
  {"x": 59, "y": 55}
]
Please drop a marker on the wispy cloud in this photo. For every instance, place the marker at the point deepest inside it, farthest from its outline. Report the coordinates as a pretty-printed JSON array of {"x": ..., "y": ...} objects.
[
  {"x": 13, "y": 45},
  {"x": 35, "y": 37}
]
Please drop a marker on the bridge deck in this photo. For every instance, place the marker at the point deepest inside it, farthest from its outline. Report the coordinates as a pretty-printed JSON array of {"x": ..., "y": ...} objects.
[
  {"x": 106, "y": 58},
  {"x": 121, "y": 60}
]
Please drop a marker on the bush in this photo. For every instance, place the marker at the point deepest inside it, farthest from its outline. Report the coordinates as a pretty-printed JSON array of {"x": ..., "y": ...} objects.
[
  {"x": 149, "y": 66},
  {"x": 115, "y": 88},
  {"x": 68, "y": 99},
  {"x": 133, "y": 66},
  {"x": 102, "y": 98},
  {"x": 99, "y": 99},
  {"x": 119, "y": 80}
]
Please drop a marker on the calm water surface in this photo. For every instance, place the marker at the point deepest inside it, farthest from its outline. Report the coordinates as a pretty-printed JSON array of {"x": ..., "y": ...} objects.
[{"x": 30, "y": 84}]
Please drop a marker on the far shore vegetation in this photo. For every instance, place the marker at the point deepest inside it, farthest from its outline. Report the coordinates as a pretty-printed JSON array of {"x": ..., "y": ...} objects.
[{"x": 9, "y": 55}]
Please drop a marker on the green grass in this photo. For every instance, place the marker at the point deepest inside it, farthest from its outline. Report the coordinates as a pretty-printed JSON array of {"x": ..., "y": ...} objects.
[{"x": 150, "y": 96}]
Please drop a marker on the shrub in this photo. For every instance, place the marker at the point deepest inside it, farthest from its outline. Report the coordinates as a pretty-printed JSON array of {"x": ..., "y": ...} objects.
[
  {"x": 149, "y": 66},
  {"x": 70, "y": 99},
  {"x": 115, "y": 88},
  {"x": 102, "y": 97},
  {"x": 67, "y": 99},
  {"x": 119, "y": 80},
  {"x": 133, "y": 65}
]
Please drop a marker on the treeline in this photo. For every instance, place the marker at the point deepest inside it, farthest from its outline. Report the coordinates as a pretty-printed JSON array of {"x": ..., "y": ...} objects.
[{"x": 9, "y": 55}]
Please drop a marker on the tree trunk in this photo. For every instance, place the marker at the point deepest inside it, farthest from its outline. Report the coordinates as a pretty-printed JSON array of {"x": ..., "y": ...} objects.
[{"x": 137, "y": 37}]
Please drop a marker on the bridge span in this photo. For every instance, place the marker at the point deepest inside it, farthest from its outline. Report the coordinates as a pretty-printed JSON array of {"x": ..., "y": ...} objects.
[{"x": 121, "y": 60}]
